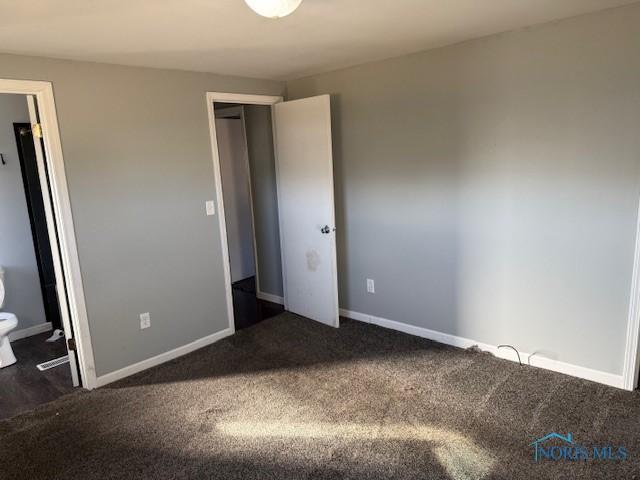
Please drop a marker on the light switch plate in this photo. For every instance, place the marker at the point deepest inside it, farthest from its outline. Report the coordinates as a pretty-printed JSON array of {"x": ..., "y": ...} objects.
[
  {"x": 145, "y": 320},
  {"x": 210, "y": 207},
  {"x": 371, "y": 286}
]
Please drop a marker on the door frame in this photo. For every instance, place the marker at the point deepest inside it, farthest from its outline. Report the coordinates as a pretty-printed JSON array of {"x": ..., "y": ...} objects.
[
  {"x": 65, "y": 237},
  {"x": 631, "y": 365},
  {"x": 239, "y": 98}
]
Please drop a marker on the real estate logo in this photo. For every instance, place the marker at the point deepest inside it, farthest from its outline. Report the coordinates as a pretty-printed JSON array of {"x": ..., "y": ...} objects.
[{"x": 558, "y": 448}]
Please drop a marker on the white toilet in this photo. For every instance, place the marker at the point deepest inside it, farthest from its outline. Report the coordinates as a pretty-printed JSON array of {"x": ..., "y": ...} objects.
[{"x": 8, "y": 322}]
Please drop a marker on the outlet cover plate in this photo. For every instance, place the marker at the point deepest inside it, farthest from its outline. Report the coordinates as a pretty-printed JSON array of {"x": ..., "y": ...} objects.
[{"x": 371, "y": 286}]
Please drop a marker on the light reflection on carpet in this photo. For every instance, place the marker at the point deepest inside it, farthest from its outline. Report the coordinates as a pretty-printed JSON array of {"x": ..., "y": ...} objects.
[{"x": 461, "y": 457}]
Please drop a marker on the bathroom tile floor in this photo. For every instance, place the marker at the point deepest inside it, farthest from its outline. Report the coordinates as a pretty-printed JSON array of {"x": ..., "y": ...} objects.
[{"x": 24, "y": 387}]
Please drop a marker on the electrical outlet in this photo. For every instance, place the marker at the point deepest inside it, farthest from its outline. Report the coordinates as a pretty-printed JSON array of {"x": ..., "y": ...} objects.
[
  {"x": 145, "y": 320},
  {"x": 371, "y": 286},
  {"x": 210, "y": 207}
]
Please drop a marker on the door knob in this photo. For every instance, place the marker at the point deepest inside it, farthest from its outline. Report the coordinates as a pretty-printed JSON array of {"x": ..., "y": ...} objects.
[{"x": 326, "y": 229}]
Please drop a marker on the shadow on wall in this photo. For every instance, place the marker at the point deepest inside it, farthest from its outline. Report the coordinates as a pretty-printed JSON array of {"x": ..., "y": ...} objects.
[{"x": 397, "y": 209}]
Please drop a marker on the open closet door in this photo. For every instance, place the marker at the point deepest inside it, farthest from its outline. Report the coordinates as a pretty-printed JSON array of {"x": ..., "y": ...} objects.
[
  {"x": 37, "y": 134},
  {"x": 304, "y": 169}
]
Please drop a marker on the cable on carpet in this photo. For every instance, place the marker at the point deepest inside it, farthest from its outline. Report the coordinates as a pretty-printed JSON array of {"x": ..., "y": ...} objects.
[{"x": 514, "y": 349}]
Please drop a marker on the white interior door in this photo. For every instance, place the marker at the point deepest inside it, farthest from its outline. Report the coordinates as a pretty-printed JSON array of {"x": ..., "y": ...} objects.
[
  {"x": 53, "y": 237},
  {"x": 304, "y": 161},
  {"x": 234, "y": 170}
]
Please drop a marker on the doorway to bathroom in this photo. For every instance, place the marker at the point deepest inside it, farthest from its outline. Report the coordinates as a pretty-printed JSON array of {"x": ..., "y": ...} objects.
[
  {"x": 41, "y": 305},
  {"x": 34, "y": 366}
]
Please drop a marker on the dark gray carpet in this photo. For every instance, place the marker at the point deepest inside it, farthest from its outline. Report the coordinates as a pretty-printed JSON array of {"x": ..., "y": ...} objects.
[{"x": 293, "y": 399}]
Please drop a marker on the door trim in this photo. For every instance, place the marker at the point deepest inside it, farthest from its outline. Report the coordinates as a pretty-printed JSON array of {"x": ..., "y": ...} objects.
[
  {"x": 222, "y": 97},
  {"x": 631, "y": 366},
  {"x": 61, "y": 206}
]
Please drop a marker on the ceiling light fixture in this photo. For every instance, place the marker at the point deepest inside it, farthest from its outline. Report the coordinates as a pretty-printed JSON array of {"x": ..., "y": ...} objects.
[{"x": 273, "y": 8}]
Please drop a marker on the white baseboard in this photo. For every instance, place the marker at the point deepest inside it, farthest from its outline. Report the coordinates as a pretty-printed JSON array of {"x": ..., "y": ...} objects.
[
  {"x": 270, "y": 298},
  {"x": 103, "y": 380},
  {"x": 30, "y": 331},
  {"x": 505, "y": 353}
]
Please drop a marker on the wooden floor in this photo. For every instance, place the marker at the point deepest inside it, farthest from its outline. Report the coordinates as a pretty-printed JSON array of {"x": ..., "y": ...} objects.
[
  {"x": 247, "y": 308},
  {"x": 24, "y": 387}
]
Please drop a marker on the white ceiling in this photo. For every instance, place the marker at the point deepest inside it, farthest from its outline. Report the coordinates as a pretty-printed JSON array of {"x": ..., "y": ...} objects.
[{"x": 224, "y": 36}]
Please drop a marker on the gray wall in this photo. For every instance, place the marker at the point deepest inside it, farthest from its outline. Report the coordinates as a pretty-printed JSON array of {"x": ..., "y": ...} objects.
[
  {"x": 17, "y": 254},
  {"x": 138, "y": 162},
  {"x": 491, "y": 188},
  {"x": 265, "y": 198}
]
